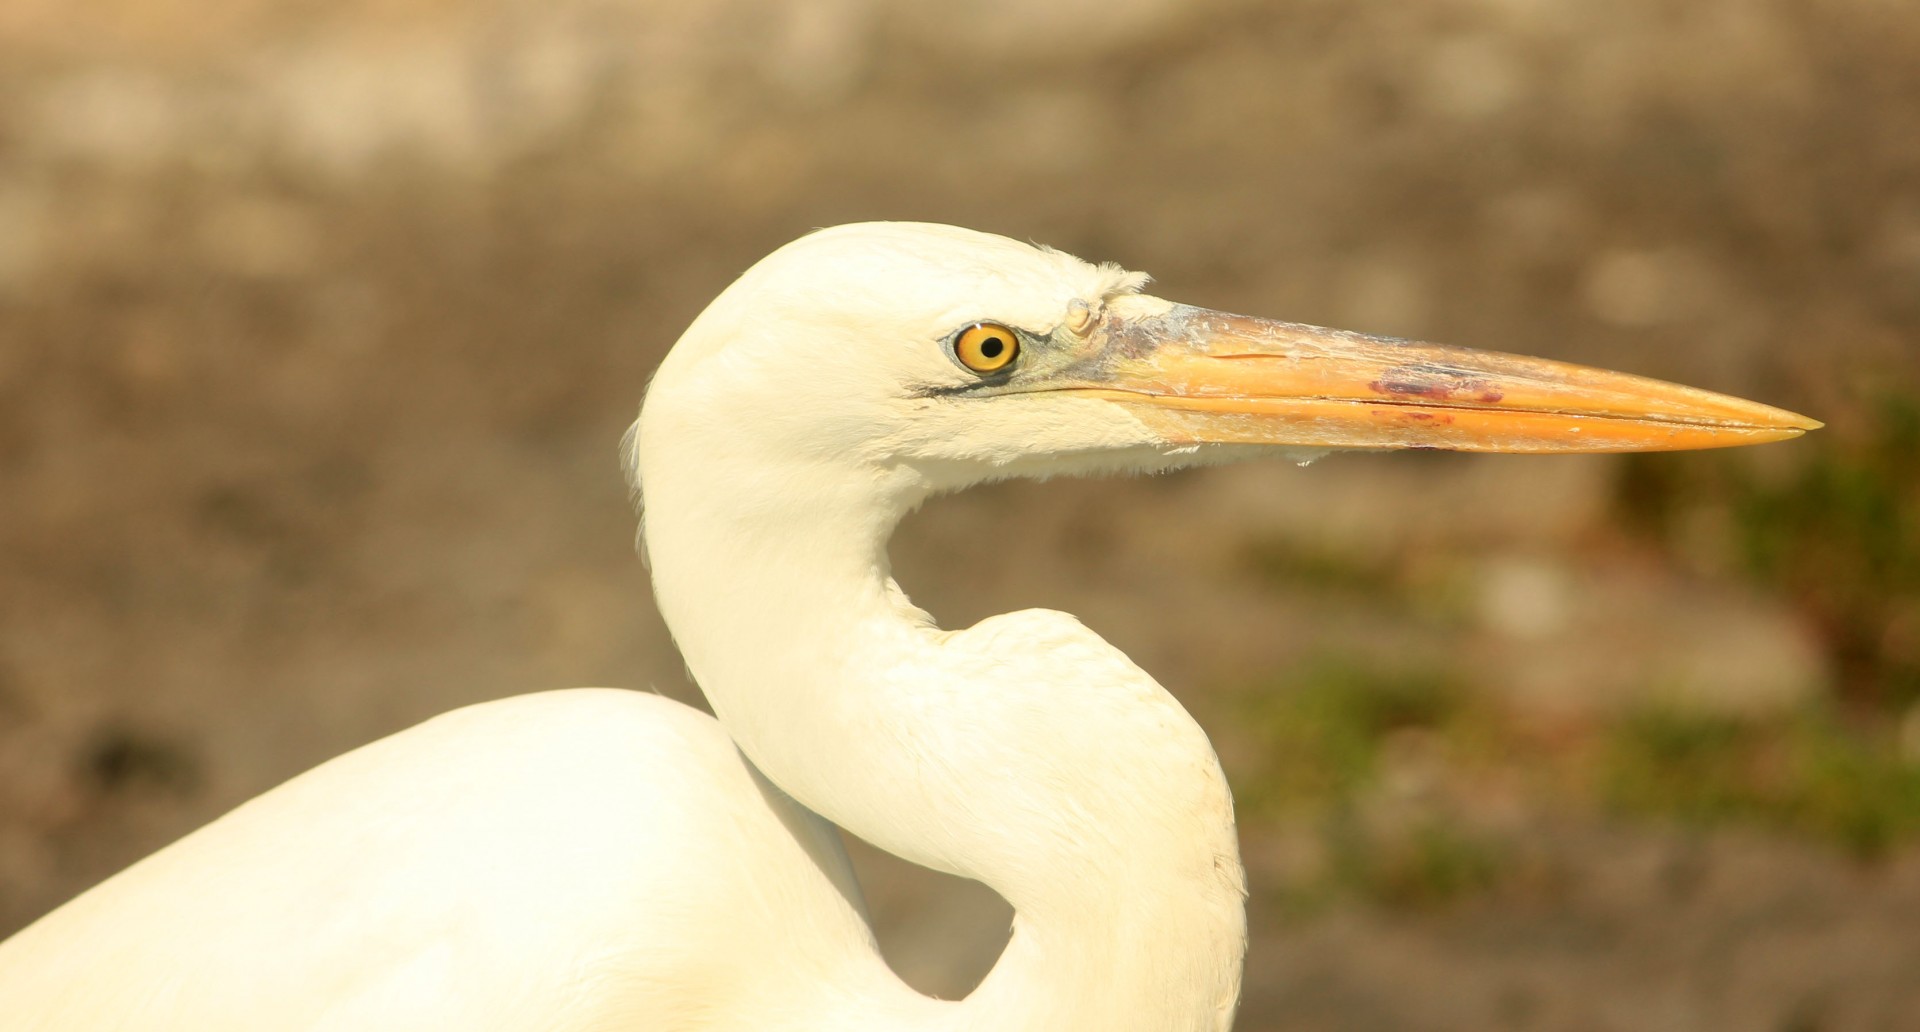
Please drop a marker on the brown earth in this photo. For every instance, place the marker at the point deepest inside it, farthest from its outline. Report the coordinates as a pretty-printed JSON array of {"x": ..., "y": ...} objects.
[{"x": 318, "y": 327}]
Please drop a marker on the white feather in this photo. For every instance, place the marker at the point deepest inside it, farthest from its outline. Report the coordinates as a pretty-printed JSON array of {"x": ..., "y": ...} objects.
[{"x": 598, "y": 860}]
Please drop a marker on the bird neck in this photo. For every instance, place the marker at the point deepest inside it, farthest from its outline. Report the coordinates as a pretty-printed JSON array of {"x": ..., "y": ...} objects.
[{"x": 1024, "y": 753}]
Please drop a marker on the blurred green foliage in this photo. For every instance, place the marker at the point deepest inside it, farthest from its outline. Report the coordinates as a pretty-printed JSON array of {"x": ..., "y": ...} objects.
[
  {"x": 1423, "y": 865},
  {"x": 1315, "y": 751},
  {"x": 1838, "y": 533},
  {"x": 1423, "y": 584},
  {"x": 1319, "y": 732},
  {"x": 1294, "y": 564},
  {"x": 1810, "y": 774},
  {"x": 1831, "y": 524}
]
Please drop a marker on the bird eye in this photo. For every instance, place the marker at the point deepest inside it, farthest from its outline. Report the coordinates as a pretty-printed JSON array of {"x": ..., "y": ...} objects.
[{"x": 986, "y": 347}]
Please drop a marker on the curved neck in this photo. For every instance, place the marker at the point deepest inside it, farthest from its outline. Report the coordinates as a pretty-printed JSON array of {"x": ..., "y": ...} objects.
[{"x": 1096, "y": 809}]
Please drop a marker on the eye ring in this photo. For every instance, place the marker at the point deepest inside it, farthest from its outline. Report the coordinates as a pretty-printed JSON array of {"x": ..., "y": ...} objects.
[{"x": 986, "y": 347}]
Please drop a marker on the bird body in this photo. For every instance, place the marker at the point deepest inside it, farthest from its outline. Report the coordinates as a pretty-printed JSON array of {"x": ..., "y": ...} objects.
[
  {"x": 576, "y": 860},
  {"x": 599, "y": 860},
  {"x": 584, "y": 860}
]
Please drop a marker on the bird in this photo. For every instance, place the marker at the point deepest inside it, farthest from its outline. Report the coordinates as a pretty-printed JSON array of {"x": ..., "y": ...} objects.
[{"x": 588, "y": 860}]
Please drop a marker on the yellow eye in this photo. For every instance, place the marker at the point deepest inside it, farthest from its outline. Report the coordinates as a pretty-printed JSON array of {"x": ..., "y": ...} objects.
[{"x": 986, "y": 347}]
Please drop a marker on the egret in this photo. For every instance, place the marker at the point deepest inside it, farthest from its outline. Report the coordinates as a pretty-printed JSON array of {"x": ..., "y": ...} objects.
[{"x": 596, "y": 859}]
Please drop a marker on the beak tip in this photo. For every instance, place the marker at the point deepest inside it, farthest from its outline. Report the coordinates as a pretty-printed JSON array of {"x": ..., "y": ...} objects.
[{"x": 1795, "y": 422}]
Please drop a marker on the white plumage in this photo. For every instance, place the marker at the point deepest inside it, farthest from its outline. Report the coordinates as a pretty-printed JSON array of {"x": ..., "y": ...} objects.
[{"x": 599, "y": 859}]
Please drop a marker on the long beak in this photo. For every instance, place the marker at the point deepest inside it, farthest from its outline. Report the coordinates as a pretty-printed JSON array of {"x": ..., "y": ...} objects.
[{"x": 1205, "y": 377}]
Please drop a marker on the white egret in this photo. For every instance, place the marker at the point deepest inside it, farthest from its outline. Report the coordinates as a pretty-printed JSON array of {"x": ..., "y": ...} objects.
[{"x": 599, "y": 859}]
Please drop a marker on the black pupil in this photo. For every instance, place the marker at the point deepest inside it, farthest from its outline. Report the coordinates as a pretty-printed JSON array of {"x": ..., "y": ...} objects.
[{"x": 992, "y": 346}]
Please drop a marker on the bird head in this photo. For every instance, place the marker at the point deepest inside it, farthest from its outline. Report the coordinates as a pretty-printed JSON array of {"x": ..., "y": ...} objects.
[{"x": 955, "y": 357}]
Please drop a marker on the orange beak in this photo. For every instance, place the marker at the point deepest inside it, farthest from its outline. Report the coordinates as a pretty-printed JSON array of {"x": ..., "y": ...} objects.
[{"x": 1205, "y": 377}]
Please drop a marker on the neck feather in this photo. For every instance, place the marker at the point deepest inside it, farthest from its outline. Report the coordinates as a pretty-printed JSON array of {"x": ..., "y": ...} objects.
[{"x": 1024, "y": 753}]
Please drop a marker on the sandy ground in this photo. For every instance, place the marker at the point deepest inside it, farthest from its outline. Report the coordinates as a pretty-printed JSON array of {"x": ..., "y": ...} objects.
[{"x": 317, "y": 331}]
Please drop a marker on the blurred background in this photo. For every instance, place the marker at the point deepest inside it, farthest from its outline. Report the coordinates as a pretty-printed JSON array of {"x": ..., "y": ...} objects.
[{"x": 319, "y": 324}]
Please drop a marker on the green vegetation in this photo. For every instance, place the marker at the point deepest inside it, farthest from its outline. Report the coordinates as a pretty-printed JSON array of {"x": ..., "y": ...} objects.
[
  {"x": 1423, "y": 585},
  {"x": 1385, "y": 770},
  {"x": 1318, "y": 733},
  {"x": 1839, "y": 534},
  {"x": 1317, "y": 750},
  {"x": 1808, "y": 775},
  {"x": 1312, "y": 750},
  {"x": 1322, "y": 568},
  {"x": 1424, "y": 865}
]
